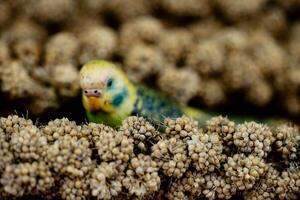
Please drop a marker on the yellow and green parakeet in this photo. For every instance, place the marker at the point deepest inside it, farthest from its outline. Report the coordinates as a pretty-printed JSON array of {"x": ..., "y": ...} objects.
[{"x": 109, "y": 97}]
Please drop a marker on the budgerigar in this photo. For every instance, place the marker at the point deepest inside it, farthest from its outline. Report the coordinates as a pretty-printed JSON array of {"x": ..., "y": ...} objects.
[{"x": 109, "y": 97}]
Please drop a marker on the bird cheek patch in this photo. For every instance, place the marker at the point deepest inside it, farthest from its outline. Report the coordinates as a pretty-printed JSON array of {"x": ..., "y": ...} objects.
[{"x": 119, "y": 98}]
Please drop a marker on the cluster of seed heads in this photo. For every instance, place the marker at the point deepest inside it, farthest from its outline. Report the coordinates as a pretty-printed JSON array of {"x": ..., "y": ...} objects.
[
  {"x": 142, "y": 61},
  {"x": 266, "y": 187},
  {"x": 65, "y": 79},
  {"x": 61, "y": 48},
  {"x": 244, "y": 171},
  {"x": 75, "y": 188},
  {"x": 217, "y": 187},
  {"x": 16, "y": 80},
  {"x": 93, "y": 132},
  {"x": 114, "y": 146},
  {"x": 223, "y": 127},
  {"x": 190, "y": 185},
  {"x": 206, "y": 152},
  {"x": 61, "y": 127},
  {"x": 246, "y": 57},
  {"x": 103, "y": 47},
  {"x": 70, "y": 156},
  {"x": 171, "y": 156},
  {"x": 43, "y": 44},
  {"x": 138, "y": 31},
  {"x": 142, "y": 176},
  {"x": 182, "y": 161},
  {"x": 106, "y": 181},
  {"x": 183, "y": 127},
  {"x": 14, "y": 123},
  {"x": 181, "y": 84},
  {"x": 6, "y": 156},
  {"x": 141, "y": 131},
  {"x": 27, "y": 178},
  {"x": 175, "y": 44},
  {"x": 251, "y": 137},
  {"x": 28, "y": 144},
  {"x": 18, "y": 83},
  {"x": 288, "y": 184},
  {"x": 287, "y": 141}
]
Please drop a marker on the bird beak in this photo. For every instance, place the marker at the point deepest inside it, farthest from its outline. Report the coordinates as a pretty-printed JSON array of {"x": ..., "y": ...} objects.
[{"x": 92, "y": 100}]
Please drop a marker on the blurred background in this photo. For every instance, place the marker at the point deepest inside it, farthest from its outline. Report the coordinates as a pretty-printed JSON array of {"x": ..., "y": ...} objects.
[{"x": 233, "y": 57}]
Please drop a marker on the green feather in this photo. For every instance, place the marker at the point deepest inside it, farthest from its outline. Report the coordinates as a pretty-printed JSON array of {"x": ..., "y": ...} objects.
[
  {"x": 105, "y": 118},
  {"x": 156, "y": 107}
]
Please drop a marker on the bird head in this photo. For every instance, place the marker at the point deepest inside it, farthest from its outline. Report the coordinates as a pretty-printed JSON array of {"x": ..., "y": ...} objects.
[{"x": 104, "y": 86}]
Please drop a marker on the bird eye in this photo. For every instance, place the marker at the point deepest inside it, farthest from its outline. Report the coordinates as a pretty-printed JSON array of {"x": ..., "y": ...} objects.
[{"x": 109, "y": 82}]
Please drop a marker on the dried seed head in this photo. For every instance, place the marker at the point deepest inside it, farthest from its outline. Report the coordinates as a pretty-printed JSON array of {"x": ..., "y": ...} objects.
[
  {"x": 97, "y": 43},
  {"x": 141, "y": 131},
  {"x": 145, "y": 30},
  {"x": 187, "y": 187},
  {"x": 6, "y": 156},
  {"x": 142, "y": 61},
  {"x": 287, "y": 140},
  {"x": 114, "y": 146},
  {"x": 29, "y": 144},
  {"x": 254, "y": 138},
  {"x": 141, "y": 176},
  {"x": 105, "y": 182},
  {"x": 244, "y": 171},
  {"x": 75, "y": 188},
  {"x": 206, "y": 152},
  {"x": 223, "y": 127},
  {"x": 61, "y": 49},
  {"x": 70, "y": 156},
  {"x": 62, "y": 127},
  {"x": 180, "y": 84},
  {"x": 27, "y": 179},
  {"x": 183, "y": 127},
  {"x": 171, "y": 156}
]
